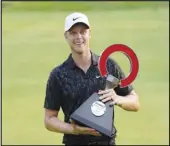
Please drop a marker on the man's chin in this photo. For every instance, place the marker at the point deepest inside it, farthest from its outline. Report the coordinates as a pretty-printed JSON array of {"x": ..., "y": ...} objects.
[{"x": 79, "y": 50}]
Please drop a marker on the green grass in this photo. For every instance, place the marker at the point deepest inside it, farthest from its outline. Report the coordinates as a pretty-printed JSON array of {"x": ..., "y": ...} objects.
[
  {"x": 79, "y": 6},
  {"x": 33, "y": 44}
]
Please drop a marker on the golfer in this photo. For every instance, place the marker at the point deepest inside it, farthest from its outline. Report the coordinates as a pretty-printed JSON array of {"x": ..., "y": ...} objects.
[{"x": 75, "y": 80}]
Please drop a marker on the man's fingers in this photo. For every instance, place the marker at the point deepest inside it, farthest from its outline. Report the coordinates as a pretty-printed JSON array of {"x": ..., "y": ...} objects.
[
  {"x": 89, "y": 131},
  {"x": 86, "y": 129},
  {"x": 96, "y": 134},
  {"x": 106, "y": 99},
  {"x": 104, "y": 91},
  {"x": 113, "y": 103},
  {"x": 105, "y": 96}
]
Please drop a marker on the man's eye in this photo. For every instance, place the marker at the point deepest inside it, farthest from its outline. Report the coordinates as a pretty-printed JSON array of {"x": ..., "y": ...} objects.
[
  {"x": 82, "y": 32},
  {"x": 73, "y": 33}
]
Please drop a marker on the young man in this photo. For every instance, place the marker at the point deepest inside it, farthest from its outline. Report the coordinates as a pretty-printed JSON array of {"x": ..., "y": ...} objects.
[{"x": 72, "y": 82}]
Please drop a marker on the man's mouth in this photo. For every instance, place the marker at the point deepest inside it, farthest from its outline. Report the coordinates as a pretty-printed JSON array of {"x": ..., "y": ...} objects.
[{"x": 79, "y": 43}]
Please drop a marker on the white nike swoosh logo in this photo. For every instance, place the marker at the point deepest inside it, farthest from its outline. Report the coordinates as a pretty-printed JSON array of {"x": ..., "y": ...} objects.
[{"x": 97, "y": 76}]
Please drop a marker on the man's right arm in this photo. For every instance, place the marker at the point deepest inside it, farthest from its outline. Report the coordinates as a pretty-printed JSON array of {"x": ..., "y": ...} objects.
[
  {"x": 53, "y": 123},
  {"x": 52, "y": 105}
]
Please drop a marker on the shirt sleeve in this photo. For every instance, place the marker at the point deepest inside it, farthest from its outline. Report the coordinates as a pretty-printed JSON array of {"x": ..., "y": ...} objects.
[
  {"x": 117, "y": 72},
  {"x": 53, "y": 93}
]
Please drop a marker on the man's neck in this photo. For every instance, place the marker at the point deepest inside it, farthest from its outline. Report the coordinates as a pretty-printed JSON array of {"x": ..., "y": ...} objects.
[{"x": 82, "y": 60}]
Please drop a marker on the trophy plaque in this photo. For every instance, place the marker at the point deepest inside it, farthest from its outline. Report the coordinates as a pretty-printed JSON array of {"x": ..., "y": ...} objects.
[{"x": 94, "y": 113}]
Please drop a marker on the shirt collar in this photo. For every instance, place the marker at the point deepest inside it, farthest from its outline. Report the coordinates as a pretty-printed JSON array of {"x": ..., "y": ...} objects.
[{"x": 72, "y": 64}]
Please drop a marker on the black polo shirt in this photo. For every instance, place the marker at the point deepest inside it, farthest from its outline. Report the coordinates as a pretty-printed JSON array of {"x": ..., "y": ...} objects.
[{"x": 68, "y": 87}]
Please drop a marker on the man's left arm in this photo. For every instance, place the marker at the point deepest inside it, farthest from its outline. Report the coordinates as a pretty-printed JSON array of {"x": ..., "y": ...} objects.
[
  {"x": 129, "y": 102},
  {"x": 125, "y": 97}
]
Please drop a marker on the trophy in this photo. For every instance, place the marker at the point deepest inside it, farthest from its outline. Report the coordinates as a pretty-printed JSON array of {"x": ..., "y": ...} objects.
[{"x": 94, "y": 113}]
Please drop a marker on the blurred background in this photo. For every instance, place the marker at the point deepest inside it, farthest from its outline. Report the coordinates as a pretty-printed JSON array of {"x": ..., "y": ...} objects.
[{"x": 33, "y": 44}]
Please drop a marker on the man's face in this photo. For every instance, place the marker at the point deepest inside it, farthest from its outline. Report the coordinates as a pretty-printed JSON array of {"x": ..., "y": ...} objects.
[{"x": 78, "y": 38}]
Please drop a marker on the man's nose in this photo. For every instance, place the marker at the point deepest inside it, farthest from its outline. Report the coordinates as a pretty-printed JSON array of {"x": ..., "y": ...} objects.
[{"x": 78, "y": 35}]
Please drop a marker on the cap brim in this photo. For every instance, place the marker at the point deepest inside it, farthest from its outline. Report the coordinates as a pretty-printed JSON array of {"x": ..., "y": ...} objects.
[{"x": 77, "y": 22}]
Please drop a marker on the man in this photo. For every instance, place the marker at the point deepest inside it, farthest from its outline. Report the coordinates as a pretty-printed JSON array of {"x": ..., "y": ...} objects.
[{"x": 72, "y": 82}]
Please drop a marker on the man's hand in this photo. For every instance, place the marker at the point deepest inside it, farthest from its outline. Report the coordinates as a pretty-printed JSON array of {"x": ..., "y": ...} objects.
[
  {"x": 84, "y": 130},
  {"x": 130, "y": 103},
  {"x": 109, "y": 95}
]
